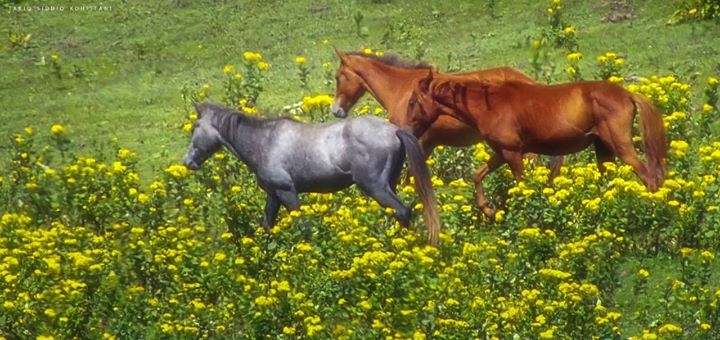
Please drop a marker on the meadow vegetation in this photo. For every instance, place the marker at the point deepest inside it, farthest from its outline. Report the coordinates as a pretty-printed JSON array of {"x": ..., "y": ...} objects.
[{"x": 103, "y": 234}]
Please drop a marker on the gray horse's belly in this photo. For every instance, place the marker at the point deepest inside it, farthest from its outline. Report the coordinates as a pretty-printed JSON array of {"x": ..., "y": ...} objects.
[
  {"x": 324, "y": 184},
  {"x": 316, "y": 171}
]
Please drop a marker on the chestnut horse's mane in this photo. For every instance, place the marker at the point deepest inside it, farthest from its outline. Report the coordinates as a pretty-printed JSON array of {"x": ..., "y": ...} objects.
[
  {"x": 394, "y": 60},
  {"x": 458, "y": 91}
]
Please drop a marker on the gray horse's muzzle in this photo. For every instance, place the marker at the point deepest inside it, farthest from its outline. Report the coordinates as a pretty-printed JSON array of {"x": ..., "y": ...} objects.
[{"x": 190, "y": 164}]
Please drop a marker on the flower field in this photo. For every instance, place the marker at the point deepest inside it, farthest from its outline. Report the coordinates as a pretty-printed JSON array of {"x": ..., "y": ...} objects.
[
  {"x": 87, "y": 250},
  {"x": 93, "y": 245}
]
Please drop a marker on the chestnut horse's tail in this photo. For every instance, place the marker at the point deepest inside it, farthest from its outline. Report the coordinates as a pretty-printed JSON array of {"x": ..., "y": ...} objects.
[
  {"x": 653, "y": 135},
  {"x": 423, "y": 184}
]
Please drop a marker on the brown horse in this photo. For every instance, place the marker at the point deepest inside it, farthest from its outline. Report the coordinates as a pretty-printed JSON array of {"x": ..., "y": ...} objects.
[
  {"x": 391, "y": 81},
  {"x": 515, "y": 118}
]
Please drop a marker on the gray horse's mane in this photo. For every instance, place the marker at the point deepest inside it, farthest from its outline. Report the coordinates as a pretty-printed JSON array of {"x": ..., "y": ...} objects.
[
  {"x": 226, "y": 120},
  {"x": 394, "y": 60}
]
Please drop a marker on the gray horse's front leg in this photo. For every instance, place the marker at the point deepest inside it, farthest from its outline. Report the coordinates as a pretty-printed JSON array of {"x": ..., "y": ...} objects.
[
  {"x": 289, "y": 199},
  {"x": 272, "y": 206}
]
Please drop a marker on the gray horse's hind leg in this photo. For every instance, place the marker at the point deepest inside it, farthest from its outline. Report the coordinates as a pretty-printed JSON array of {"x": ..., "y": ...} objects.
[
  {"x": 272, "y": 206},
  {"x": 381, "y": 188},
  {"x": 396, "y": 171},
  {"x": 388, "y": 199}
]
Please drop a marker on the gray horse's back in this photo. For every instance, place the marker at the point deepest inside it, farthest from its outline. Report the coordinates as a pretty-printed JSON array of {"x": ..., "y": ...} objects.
[
  {"x": 367, "y": 133},
  {"x": 321, "y": 157}
]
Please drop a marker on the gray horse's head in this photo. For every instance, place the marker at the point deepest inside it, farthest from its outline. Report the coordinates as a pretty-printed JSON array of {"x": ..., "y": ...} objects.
[{"x": 205, "y": 139}]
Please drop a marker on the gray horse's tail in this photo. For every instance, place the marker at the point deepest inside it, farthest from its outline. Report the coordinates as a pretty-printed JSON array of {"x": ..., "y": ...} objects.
[{"x": 423, "y": 184}]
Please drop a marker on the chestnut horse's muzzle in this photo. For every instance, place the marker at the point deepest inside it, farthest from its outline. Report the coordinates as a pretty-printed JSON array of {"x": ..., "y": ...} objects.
[{"x": 337, "y": 110}]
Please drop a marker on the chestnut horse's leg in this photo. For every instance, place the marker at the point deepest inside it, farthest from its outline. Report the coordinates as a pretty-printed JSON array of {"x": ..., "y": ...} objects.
[
  {"x": 555, "y": 164},
  {"x": 626, "y": 152},
  {"x": 495, "y": 161},
  {"x": 603, "y": 154},
  {"x": 615, "y": 132},
  {"x": 515, "y": 160}
]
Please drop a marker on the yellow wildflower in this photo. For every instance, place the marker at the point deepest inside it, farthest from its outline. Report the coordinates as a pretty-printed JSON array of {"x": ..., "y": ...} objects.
[
  {"x": 57, "y": 129},
  {"x": 252, "y": 56},
  {"x": 669, "y": 328},
  {"x": 576, "y": 56}
]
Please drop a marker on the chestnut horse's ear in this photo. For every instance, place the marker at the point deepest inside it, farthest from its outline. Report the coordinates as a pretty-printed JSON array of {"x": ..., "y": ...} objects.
[
  {"x": 424, "y": 85},
  {"x": 342, "y": 55}
]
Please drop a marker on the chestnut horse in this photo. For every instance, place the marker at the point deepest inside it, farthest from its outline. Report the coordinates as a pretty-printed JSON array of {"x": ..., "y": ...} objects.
[
  {"x": 391, "y": 81},
  {"x": 515, "y": 118}
]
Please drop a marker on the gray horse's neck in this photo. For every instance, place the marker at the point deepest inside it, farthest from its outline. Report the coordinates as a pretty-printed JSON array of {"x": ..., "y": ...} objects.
[{"x": 245, "y": 137}]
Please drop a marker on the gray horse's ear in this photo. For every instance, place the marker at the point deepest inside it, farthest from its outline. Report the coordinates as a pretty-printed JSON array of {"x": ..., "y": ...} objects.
[{"x": 197, "y": 108}]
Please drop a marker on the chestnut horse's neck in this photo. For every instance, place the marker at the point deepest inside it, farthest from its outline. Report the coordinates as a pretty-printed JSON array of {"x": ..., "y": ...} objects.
[{"x": 391, "y": 86}]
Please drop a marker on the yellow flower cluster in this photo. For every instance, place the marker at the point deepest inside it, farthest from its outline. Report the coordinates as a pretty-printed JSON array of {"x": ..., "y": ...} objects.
[
  {"x": 257, "y": 59},
  {"x": 369, "y": 51},
  {"x": 679, "y": 148},
  {"x": 610, "y": 65},
  {"x": 252, "y": 56},
  {"x": 574, "y": 57},
  {"x": 710, "y": 153},
  {"x": 57, "y": 129},
  {"x": 555, "y": 7},
  {"x": 663, "y": 90},
  {"x": 177, "y": 171},
  {"x": 320, "y": 102},
  {"x": 536, "y": 233},
  {"x": 610, "y": 57}
]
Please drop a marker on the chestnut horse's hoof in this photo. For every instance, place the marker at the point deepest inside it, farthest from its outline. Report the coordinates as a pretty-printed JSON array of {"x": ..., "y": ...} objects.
[{"x": 489, "y": 213}]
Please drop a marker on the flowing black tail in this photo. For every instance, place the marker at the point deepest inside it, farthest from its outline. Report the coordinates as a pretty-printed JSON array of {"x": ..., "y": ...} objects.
[{"x": 423, "y": 184}]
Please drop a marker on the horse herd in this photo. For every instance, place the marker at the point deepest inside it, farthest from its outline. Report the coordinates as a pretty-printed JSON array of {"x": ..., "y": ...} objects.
[{"x": 512, "y": 113}]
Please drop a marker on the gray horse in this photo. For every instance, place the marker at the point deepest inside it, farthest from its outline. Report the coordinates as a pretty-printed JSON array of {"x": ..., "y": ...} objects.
[{"x": 289, "y": 157}]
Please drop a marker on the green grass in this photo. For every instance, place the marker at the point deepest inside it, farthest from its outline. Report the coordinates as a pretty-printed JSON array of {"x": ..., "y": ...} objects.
[{"x": 136, "y": 57}]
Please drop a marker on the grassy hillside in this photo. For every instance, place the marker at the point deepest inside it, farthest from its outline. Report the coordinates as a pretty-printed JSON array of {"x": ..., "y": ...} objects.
[{"x": 123, "y": 68}]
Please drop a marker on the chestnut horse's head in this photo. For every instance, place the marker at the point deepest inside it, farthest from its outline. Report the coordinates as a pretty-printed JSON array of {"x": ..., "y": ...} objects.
[
  {"x": 349, "y": 87},
  {"x": 423, "y": 110}
]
